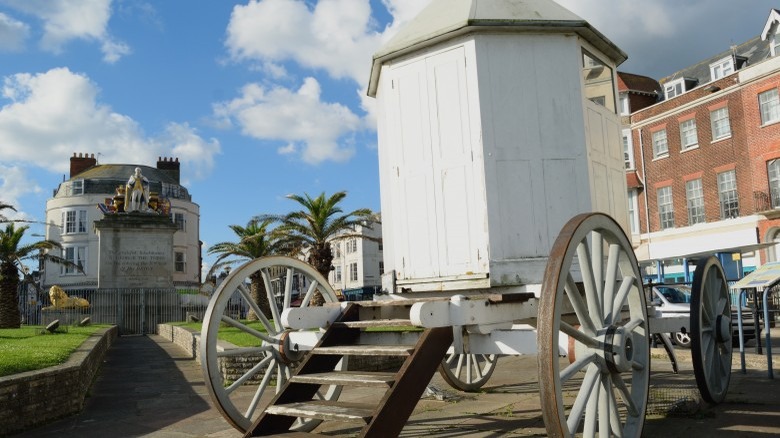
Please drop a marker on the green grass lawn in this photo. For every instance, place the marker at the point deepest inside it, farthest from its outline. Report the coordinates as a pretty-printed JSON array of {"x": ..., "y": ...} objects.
[{"x": 27, "y": 349}]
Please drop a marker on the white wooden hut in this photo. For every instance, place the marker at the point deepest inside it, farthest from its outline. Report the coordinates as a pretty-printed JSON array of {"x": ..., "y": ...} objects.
[{"x": 497, "y": 122}]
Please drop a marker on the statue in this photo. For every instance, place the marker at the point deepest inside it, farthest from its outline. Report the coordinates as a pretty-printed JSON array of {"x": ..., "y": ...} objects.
[
  {"x": 137, "y": 192},
  {"x": 61, "y": 300}
]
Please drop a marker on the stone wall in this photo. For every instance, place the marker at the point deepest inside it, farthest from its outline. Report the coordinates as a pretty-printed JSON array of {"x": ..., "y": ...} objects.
[{"x": 36, "y": 397}]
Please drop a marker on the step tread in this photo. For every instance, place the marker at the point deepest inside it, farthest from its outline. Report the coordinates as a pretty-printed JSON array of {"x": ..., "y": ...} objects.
[
  {"x": 374, "y": 323},
  {"x": 335, "y": 411},
  {"x": 366, "y": 350},
  {"x": 350, "y": 378}
]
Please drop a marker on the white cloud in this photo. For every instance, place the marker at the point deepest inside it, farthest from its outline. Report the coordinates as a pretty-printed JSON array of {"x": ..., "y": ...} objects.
[
  {"x": 51, "y": 115},
  {"x": 195, "y": 153},
  {"x": 15, "y": 184},
  {"x": 66, "y": 20},
  {"x": 334, "y": 35},
  {"x": 297, "y": 117},
  {"x": 13, "y": 33}
]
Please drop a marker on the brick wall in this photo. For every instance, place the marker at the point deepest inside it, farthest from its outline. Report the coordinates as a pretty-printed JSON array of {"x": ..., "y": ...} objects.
[
  {"x": 746, "y": 151},
  {"x": 36, "y": 397}
]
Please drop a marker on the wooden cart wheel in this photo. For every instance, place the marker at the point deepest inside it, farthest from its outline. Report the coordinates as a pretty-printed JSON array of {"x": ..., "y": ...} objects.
[
  {"x": 273, "y": 357},
  {"x": 467, "y": 371},
  {"x": 711, "y": 330},
  {"x": 592, "y": 293}
]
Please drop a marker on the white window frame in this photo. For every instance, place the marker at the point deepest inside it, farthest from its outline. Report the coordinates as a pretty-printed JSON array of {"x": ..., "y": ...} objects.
[
  {"x": 722, "y": 68},
  {"x": 353, "y": 271},
  {"x": 728, "y": 194},
  {"x": 351, "y": 246},
  {"x": 721, "y": 125},
  {"x": 336, "y": 249},
  {"x": 694, "y": 198},
  {"x": 337, "y": 275},
  {"x": 76, "y": 254},
  {"x": 665, "y": 207},
  {"x": 74, "y": 221},
  {"x": 769, "y": 106},
  {"x": 624, "y": 105},
  {"x": 674, "y": 88},
  {"x": 628, "y": 150},
  {"x": 773, "y": 174},
  {"x": 689, "y": 135},
  {"x": 177, "y": 262},
  {"x": 633, "y": 210},
  {"x": 77, "y": 187},
  {"x": 660, "y": 144},
  {"x": 181, "y": 224}
]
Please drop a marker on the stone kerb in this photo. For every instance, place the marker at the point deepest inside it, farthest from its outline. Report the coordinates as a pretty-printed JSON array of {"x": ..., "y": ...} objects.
[{"x": 36, "y": 397}]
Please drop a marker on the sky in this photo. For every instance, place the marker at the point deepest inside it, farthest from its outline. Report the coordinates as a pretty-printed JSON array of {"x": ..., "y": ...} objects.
[{"x": 257, "y": 99}]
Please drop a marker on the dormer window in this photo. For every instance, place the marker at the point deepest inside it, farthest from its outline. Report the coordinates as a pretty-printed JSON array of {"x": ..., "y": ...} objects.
[
  {"x": 722, "y": 68},
  {"x": 674, "y": 88}
]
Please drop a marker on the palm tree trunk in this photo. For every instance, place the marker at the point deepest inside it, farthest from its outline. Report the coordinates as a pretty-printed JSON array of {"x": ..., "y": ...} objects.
[
  {"x": 9, "y": 301},
  {"x": 259, "y": 296},
  {"x": 321, "y": 258}
]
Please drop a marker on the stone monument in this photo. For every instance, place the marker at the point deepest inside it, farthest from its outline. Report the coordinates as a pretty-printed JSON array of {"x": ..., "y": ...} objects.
[{"x": 136, "y": 247}]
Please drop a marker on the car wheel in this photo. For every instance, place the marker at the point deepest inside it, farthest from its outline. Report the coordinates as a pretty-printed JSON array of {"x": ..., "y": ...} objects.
[{"x": 682, "y": 339}]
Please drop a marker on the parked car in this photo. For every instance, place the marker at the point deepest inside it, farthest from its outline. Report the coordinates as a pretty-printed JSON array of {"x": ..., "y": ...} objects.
[{"x": 677, "y": 299}]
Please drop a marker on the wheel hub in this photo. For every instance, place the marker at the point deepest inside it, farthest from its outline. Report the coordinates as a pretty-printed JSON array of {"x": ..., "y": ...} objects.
[
  {"x": 618, "y": 349},
  {"x": 723, "y": 329},
  {"x": 288, "y": 351}
]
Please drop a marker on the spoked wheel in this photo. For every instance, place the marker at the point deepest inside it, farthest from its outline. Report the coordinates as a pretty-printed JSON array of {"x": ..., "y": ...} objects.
[
  {"x": 711, "y": 345},
  {"x": 592, "y": 293},
  {"x": 467, "y": 371},
  {"x": 276, "y": 351}
]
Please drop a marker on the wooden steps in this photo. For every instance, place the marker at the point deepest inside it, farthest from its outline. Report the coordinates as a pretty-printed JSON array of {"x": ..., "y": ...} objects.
[
  {"x": 324, "y": 411},
  {"x": 349, "y": 378},
  {"x": 399, "y": 392}
]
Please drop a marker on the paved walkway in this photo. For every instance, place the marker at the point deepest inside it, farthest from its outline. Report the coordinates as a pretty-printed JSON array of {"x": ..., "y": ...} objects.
[{"x": 147, "y": 387}]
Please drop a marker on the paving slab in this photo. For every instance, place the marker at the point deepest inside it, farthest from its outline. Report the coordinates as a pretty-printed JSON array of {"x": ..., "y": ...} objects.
[{"x": 149, "y": 387}]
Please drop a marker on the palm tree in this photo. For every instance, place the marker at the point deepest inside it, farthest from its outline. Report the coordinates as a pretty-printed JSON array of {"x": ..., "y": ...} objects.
[
  {"x": 311, "y": 229},
  {"x": 255, "y": 241},
  {"x": 12, "y": 256},
  {"x": 4, "y": 206}
]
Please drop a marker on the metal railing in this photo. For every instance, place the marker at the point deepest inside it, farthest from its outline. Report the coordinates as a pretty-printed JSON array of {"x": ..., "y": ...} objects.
[{"x": 134, "y": 311}]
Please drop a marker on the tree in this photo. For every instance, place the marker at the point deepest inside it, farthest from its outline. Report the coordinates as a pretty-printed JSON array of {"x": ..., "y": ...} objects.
[
  {"x": 12, "y": 257},
  {"x": 310, "y": 229},
  {"x": 255, "y": 240},
  {"x": 4, "y": 206}
]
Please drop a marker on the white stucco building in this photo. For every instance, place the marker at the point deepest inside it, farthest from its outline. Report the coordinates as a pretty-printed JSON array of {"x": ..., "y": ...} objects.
[
  {"x": 74, "y": 207},
  {"x": 357, "y": 262}
]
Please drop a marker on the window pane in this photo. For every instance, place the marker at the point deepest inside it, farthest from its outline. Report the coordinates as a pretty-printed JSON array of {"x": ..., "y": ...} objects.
[
  {"x": 768, "y": 102},
  {"x": 773, "y": 171},
  {"x": 665, "y": 207},
  {"x": 720, "y": 123},
  {"x": 695, "y": 198},
  {"x": 688, "y": 134},
  {"x": 599, "y": 87},
  {"x": 729, "y": 200},
  {"x": 660, "y": 147}
]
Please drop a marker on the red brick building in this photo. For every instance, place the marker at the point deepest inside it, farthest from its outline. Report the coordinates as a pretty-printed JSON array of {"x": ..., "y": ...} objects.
[{"x": 704, "y": 167}]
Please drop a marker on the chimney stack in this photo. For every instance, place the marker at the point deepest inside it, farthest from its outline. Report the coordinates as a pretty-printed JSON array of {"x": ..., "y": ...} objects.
[
  {"x": 81, "y": 163},
  {"x": 169, "y": 166}
]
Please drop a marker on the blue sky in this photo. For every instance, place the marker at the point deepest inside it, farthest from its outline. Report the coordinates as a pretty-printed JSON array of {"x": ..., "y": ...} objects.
[{"x": 257, "y": 99}]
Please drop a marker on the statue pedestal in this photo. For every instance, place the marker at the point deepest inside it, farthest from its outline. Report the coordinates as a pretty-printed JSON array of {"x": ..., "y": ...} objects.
[
  {"x": 70, "y": 316},
  {"x": 136, "y": 251}
]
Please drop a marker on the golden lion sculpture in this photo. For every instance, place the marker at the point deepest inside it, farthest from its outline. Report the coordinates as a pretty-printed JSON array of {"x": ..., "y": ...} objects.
[{"x": 61, "y": 300}]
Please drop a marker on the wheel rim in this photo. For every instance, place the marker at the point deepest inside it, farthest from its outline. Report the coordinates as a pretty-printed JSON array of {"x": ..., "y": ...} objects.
[
  {"x": 711, "y": 346},
  {"x": 683, "y": 339},
  {"x": 608, "y": 326},
  {"x": 467, "y": 371},
  {"x": 273, "y": 359}
]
